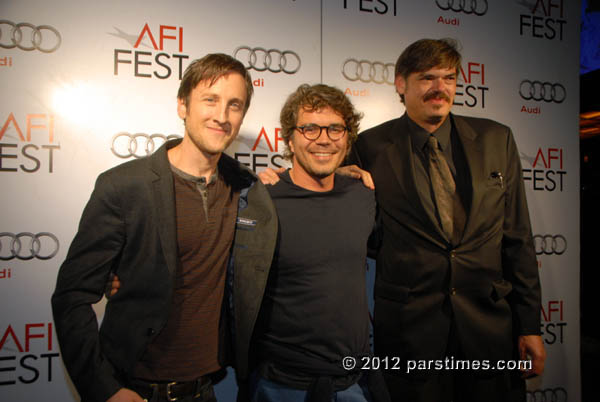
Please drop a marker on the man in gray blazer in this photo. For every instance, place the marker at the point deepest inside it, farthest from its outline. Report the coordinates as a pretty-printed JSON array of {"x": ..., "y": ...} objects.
[
  {"x": 166, "y": 225},
  {"x": 457, "y": 277}
]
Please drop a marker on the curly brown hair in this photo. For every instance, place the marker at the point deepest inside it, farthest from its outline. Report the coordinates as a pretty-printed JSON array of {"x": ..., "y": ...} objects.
[{"x": 312, "y": 98}]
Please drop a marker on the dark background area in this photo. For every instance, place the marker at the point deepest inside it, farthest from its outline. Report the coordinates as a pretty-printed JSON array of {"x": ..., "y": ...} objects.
[{"x": 589, "y": 135}]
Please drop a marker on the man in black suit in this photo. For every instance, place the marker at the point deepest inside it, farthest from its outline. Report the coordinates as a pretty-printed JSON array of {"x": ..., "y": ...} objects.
[
  {"x": 456, "y": 271},
  {"x": 170, "y": 226}
]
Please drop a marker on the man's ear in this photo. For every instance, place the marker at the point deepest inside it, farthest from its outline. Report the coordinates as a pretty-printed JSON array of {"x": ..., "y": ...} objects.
[
  {"x": 400, "y": 84},
  {"x": 181, "y": 108}
]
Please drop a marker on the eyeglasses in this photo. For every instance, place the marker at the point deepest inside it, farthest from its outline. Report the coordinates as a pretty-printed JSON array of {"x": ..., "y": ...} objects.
[{"x": 313, "y": 131}]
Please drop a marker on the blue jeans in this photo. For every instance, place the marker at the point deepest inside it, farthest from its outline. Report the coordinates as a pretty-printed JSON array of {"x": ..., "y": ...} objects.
[{"x": 269, "y": 391}]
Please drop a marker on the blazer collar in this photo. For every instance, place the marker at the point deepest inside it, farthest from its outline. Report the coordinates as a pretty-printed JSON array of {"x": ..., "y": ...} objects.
[
  {"x": 474, "y": 156},
  {"x": 164, "y": 203}
]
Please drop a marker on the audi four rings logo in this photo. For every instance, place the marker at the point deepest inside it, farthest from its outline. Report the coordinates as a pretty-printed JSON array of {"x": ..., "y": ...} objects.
[
  {"x": 542, "y": 91},
  {"x": 558, "y": 394},
  {"x": 139, "y": 145},
  {"x": 273, "y": 60},
  {"x": 550, "y": 244},
  {"x": 44, "y": 38},
  {"x": 368, "y": 71},
  {"x": 477, "y": 7},
  {"x": 25, "y": 246}
]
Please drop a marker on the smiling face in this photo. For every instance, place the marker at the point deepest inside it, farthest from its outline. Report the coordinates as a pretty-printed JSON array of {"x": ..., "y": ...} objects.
[
  {"x": 214, "y": 113},
  {"x": 316, "y": 160},
  {"x": 428, "y": 95}
]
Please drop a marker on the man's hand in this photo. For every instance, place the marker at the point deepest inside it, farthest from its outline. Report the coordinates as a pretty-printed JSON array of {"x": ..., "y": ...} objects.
[
  {"x": 357, "y": 173},
  {"x": 532, "y": 347},
  {"x": 270, "y": 176},
  {"x": 125, "y": 395},
  {"x": 112, "y": 286}
]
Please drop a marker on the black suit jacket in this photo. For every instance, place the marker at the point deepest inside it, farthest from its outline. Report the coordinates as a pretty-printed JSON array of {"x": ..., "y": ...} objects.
[
  {"x": 128, "y": 226},
  {"x": 488, "y": 284}
]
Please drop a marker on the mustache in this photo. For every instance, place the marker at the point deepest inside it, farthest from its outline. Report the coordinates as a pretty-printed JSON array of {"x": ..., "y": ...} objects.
[{"x": 436, "y": 94}]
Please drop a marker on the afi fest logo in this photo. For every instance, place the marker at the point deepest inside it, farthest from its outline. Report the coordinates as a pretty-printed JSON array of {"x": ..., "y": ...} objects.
[
  {"x": 156, "y": 62},
  {"x": 27, "y": 143},
  {"x": 256, "y": 160},
  {"x": 470, "y": 86},
  {"x": 375, "y": 7},
  {"x": 547, "y": 170},
  {"x": 545, "y": 19},
  {"x": 553, "y": 325},
  {"x": 27, "y": 354}
]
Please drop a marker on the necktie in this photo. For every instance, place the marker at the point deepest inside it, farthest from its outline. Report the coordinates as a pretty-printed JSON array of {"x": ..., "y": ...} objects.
[{"x": 450, "y": 209}]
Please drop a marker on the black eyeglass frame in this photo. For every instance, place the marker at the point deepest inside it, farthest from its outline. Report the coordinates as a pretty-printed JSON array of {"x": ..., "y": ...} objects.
[{"x": 327, "y": 128}]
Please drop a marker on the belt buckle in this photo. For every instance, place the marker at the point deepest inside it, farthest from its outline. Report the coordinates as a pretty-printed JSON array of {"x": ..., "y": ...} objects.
[{"x": 169, "y": 398}]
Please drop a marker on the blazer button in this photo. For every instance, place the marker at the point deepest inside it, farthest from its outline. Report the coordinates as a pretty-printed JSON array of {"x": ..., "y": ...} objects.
[
  {"x": 452, "y": 254},
  {"x": 150, "y": 331},
  {"x": 453, "y": 291}
]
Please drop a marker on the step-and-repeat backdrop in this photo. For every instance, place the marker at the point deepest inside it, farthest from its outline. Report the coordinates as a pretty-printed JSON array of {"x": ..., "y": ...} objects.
[{"x": 87, "y": 85}]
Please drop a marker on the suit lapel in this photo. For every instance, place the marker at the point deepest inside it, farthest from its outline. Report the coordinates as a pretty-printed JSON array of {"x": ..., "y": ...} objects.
[
  {"x": 474, "y": 159},
  {"x": 164, "y": 205},
  {"x": 401, "y": 160}
]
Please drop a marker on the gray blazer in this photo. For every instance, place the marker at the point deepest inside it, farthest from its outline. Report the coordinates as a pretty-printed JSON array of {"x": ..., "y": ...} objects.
[{"x": 128, "y": 226}]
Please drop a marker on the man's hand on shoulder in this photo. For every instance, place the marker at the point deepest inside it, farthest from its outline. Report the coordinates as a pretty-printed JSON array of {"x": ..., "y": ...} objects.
[
  {"x": 270, "y": 176},
  {"x": 532, "y": 347},
  {"x": 357, "y": 173},
  {"x": 125, "y": 395}
]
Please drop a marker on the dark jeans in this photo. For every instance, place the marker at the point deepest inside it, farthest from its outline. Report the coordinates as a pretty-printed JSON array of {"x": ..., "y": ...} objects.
[{"x": 269, "y": 391}]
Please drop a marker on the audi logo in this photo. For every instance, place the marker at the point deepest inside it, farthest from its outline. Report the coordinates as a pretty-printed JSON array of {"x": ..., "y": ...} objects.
[
  {"x": 139, "y": 145},
  {"x": 368, "y": 71},
  {"x": 542, "y": 91},
  {"x": 558, "y": 394},
  {"x": 44, "y": 38},
  {"x": 25, "y": 246},
  {"x": 477, "y": 7},
  {"x": 276, "y": 61},
  {"x": 550, "y": 244}
]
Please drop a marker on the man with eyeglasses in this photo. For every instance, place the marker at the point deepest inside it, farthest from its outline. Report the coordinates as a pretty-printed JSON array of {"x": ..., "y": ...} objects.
[{"x": 314, "y": 311}]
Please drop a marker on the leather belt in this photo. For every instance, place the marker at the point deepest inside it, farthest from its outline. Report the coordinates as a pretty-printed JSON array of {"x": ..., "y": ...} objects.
[{"x": 171, "y": 391}]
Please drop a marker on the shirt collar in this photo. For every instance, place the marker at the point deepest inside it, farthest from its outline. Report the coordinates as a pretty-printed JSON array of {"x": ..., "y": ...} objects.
[
  {"x": 420, "y": 136},
  {"x": 195, "y": 179}
]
